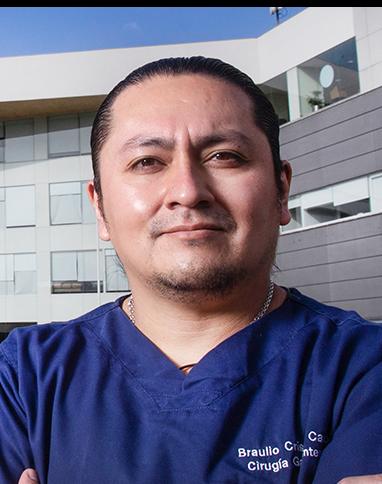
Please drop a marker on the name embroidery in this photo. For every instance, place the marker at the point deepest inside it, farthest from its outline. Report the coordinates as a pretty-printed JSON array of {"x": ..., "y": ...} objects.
[{"x": 293, "y": 453}]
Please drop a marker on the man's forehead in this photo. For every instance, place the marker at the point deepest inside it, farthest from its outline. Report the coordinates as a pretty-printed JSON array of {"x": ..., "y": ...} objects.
[
  {"x": 160, "y": 103},
  {"x": 227, "y": 135},
  {"x": 175, "y": 87}
]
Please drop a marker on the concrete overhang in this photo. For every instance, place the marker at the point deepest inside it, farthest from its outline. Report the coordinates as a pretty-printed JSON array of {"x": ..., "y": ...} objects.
[{"x": 48, "y": 107}]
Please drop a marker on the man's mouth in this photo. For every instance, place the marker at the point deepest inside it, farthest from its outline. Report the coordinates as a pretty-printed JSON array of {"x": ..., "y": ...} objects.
[{"x": 192, "y": 231}]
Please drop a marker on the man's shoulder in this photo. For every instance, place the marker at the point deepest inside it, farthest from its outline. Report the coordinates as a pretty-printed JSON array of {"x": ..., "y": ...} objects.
[
  {"x": 24, "y": 341},
  {"x": 338, "y": 341},
  {"x": 327, "y": 314}
]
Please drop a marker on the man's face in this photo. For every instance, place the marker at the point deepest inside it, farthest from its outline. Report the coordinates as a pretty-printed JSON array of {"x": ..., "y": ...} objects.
[{"x": 189, "y": 194}]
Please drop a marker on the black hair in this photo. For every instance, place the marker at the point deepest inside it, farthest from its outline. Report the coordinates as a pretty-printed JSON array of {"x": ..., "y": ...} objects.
[{"x": 265, "y": 117}]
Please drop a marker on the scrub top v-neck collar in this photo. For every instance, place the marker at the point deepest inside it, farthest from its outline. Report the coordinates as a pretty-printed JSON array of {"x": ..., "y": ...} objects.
[{"x": 224, "y": 367}]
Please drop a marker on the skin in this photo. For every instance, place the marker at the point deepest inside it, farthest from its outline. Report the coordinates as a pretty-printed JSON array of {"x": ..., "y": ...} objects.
[
  {"x": 189, "y": 193},
  {"x": 29, "y": 476},
  {"x": 181, "y": 207}
]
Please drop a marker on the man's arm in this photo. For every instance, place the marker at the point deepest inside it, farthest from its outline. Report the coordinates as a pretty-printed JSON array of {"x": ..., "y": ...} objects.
[
  {"x": 29, "y": 476},
  {"x": 359, "y": 480},
  {"x": 356, "y": 445},
  {"x": 15, "y": 451}
]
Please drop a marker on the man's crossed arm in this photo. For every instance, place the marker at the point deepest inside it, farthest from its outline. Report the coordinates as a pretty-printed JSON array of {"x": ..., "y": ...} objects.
[{"x": 29, "y": 476}]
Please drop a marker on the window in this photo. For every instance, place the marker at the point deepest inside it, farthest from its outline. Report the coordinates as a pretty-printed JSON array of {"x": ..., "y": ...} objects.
[
  {"x": 2, "y": 208},
  {"x": 18, "y": 141},
  {"x": 276, "y": 90},
  {"x": 376, "y": 192},
  {"x": 63, "y": 136},
  {"x": 294, "y": 205},
  {"x": 329, "y": 77},
  {"x": 17, "y": 206},
  {"x": 69, "y": 204},
  {"x": 18, "y": 274},
  {"x": 115, "y": 276},
  {"x": 74, "y": 272},
  {"x": 346, "y": 199},
  {"x": 2, "y": 142},
  {"x": 5, "y": 328},
  {"x": 86, "y": 123},
  {"x": 23, "y": 140}
]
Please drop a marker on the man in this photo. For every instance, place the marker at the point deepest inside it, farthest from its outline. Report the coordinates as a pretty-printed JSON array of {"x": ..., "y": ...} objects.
[{"x": 207, "y": 372}]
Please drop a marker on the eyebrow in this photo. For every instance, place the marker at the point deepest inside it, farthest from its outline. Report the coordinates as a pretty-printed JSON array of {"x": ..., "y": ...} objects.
[{"x": 229, "y": 135}]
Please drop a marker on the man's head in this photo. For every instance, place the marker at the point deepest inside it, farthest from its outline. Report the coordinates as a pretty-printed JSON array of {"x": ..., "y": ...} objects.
[
  {"x": 263, "y": 113},
  {"x": 188, "y": 181}
]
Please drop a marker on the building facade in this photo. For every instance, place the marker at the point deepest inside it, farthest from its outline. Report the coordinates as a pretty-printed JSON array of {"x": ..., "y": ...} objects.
[{"x": 322, "y": 69}]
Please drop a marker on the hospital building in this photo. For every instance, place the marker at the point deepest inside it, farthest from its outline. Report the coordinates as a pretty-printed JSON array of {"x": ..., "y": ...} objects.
[{"x": 321, "y": 69}]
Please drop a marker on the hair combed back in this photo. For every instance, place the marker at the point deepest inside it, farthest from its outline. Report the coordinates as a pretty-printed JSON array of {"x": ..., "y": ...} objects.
[{"x": 265, "y": 117}]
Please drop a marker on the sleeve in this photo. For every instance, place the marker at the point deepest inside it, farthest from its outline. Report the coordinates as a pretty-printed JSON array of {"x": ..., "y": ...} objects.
[
  {"x": 15, "y": 452},
  {"x": 356, "y": 446}
]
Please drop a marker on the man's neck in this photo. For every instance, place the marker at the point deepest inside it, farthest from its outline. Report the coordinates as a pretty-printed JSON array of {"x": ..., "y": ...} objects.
[{"x": 187, "y": 332}]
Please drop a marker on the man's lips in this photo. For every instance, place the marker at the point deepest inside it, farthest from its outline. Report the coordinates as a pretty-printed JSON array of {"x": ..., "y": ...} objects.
[
  {"x": 191, "y": 228},
  {"x": 192, "y": 231}
]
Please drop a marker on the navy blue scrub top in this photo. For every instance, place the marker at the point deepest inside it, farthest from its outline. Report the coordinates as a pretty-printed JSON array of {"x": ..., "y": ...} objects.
[{"x": 293, "y": 398}]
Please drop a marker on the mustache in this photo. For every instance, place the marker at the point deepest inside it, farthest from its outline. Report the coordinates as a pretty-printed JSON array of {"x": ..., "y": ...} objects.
[{"x": 217, "y": 220}]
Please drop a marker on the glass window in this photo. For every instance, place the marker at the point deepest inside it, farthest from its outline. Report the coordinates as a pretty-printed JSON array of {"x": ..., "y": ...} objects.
[
  {"x": 320, "y": 214},
  {"x": 20, "y": 206},
  {"x": 329, "y": 77},
  {"x": 74, "y": 272},
  {"x": 25, "y": 273},
  {"x": 353, "y": 208},
  {"x": 296, "y": 219},
  {"x": 86, "y": 123},
  {"x": 69, "y": 204},
  {"x": 276, "y": 90},
  {"x": 294, "y": 206},
  {"x": 19, "y": 143},
  {"x": 65, "y": 203},
  {"x": 376, "y": 192},
  {"x": 2, "y": 142},
  {"x": 116, "y": 280},
  {"x": 350, "y": 191},
  {"x": 86, "y": 266},
  {"x": 18, "y": 274},
  {"x": 2, "y": 208},
  {"x": 346, "y": 199},
  {"x": 5, "y": 328},
  {"x": 63, "y": 136}
]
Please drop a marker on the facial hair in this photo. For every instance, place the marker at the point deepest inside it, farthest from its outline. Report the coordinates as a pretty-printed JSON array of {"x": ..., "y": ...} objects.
[{"x": 202, "y": 281}]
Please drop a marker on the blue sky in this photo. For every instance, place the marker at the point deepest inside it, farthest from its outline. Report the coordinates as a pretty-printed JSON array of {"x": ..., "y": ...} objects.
[{"x": 40, "y": 30}]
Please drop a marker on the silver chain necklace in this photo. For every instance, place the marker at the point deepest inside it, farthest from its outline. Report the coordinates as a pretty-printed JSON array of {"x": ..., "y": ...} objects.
[
  {"x": 186, "y": 368},
  {"x": 264, "y": 308}
]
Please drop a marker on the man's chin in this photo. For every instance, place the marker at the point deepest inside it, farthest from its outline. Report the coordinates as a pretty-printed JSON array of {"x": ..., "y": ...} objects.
[{"x": 191, "y": 284}]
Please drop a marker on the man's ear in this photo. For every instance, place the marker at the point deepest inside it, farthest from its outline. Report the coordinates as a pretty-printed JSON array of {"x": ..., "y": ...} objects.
[
  {"x": 286, "y": 177},
  {"x": 95, "y": 200}
]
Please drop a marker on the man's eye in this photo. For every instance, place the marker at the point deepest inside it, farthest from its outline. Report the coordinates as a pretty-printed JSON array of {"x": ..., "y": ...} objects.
[
  {"x": 227, "y": 158},
  {"x": 147, "y": 164}
]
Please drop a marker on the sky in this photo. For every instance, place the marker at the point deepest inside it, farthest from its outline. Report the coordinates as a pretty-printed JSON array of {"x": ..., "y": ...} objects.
[{"x": 42, "y": 30}]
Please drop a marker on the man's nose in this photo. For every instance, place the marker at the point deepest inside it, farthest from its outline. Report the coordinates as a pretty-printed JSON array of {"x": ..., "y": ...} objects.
[{"x": 188, "y": 185}]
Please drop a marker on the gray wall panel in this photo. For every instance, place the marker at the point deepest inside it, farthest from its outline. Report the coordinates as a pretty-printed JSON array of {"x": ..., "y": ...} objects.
[
  {"x": 348, "y": 290},
  {"x": 346, "y": 230},
  {"x": 338, "y": 263},
  {"x": 357, "y": 126},
  {"x": 372, "y": 307},
  {"x": 338, "y": 143},
  {"x": 341, "y": 262},
  {"x": 332, "y": 115},
  {"x": 336, "y": 153},
  {"x": 366, "y": 268},
  {"x": 324, "y": 254},
  {"x": 337, "y": 172}
]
